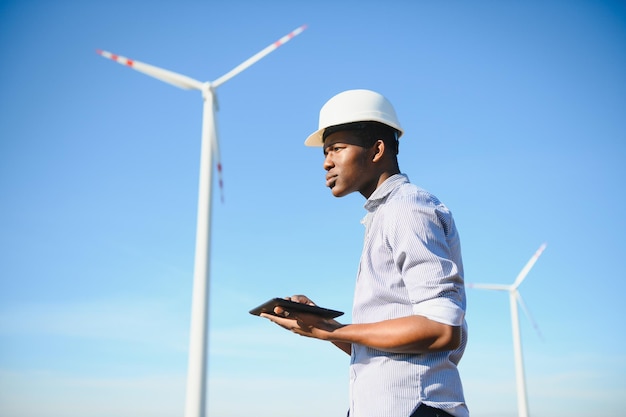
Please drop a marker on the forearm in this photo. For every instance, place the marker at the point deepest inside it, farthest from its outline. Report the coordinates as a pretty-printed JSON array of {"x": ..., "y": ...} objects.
[{"x": 414, "y": 334}]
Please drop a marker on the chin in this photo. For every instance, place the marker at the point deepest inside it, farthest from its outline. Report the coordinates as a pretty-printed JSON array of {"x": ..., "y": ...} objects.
[{"x": 338, "y": 192}]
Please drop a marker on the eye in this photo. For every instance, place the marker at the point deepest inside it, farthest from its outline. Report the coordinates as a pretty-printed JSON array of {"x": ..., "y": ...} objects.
[{"x": 334, "y": 149}]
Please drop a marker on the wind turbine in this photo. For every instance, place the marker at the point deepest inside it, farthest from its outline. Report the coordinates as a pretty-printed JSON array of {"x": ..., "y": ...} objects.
[
  {"x": 514, "y": 298},
  {"x": 195, "y": 404}
]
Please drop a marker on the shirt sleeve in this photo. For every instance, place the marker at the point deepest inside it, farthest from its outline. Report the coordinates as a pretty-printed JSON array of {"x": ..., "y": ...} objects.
[{"x": 424, "y": 243}]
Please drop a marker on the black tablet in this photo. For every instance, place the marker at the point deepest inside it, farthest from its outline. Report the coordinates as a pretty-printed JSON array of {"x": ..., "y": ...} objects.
[{"x": 268, "y": 307}]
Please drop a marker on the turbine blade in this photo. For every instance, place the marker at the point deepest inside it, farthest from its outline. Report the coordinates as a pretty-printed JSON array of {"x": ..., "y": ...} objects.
[
  {"x": 178, "y": 80},
  {"x": 528, "y": 266},
  {"x": 518, "y": 296},
  {"x": 496, "y": 287},
  {"x": 250, "y": 61}
]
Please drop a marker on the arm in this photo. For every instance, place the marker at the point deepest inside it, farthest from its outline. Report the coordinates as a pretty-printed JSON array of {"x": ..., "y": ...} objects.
[{"x": 412, "y": 334}]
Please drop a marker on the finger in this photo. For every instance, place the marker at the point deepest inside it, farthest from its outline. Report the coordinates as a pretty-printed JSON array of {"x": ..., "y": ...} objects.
[
  {"x": 302, "y": 299},
  {"x": 282, "y": 321},
  {"x": 280, "y": 311}
]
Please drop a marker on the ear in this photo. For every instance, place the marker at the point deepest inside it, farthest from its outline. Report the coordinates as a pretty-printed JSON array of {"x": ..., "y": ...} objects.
[{"x": 378, "y": 151}]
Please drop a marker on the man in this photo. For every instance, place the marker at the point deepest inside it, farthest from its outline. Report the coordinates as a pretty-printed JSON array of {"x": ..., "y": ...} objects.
[{"x": 409, "y": 329}]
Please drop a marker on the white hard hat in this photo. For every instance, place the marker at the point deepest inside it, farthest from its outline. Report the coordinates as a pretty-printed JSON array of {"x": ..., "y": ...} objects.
[{"x": 354, "y": 106}]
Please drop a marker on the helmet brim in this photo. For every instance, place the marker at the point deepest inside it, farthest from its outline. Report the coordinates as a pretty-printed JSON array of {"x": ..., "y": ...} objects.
[{"x": 317, "y": 138}]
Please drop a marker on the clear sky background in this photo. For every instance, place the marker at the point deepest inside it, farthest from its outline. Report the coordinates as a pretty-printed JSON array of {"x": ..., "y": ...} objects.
[{"x": 515, "y": 117}]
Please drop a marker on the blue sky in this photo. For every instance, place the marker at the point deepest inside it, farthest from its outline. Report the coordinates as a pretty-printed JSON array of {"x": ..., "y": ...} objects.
[{"x": 514, "y": 116}]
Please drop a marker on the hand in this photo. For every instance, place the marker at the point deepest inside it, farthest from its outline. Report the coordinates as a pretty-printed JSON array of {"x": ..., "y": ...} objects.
[
  {"x": 303, "y": 299},
  {"x": 300, "y": 323}
]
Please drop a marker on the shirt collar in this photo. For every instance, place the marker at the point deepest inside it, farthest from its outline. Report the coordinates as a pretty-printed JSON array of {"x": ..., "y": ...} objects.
[{"x": 381, "y": 193}]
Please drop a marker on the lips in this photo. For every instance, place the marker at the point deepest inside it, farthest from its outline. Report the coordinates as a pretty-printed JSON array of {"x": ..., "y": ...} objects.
[{"x": 331, "y": 179}]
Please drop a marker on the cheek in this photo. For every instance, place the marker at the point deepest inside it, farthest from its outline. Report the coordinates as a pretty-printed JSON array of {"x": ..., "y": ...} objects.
[{"x": 356, "y": 166}]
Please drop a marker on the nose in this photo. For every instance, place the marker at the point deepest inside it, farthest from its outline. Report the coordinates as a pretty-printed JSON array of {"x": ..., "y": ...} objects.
[{"x": 328, "y": 162}]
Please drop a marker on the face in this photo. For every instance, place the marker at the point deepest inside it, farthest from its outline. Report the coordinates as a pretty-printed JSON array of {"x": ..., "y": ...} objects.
[{"x": 348, "y": 165}]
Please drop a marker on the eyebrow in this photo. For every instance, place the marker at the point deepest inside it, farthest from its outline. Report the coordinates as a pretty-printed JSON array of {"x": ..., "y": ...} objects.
[{"x": 326, "y": 148}]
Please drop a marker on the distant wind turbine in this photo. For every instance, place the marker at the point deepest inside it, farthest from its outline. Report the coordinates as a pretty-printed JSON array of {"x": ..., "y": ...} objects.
[
  {"x": 195, "y": 404},
  {"x": 514, "y": 298}
]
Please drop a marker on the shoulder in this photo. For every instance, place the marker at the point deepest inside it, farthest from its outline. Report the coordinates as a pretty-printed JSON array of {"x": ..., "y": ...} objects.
[
  {"x": 411, "y": 194},
  {"x": 410, "y": 204}
]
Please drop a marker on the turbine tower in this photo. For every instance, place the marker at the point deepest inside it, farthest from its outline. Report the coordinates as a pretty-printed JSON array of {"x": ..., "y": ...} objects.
[
  {"x": 514, "y": 298},
  {"x": 195, "y": 403}
]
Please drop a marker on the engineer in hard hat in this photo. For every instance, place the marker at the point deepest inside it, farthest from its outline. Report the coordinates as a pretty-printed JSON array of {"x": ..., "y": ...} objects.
[{"x": 408, "y": 332}]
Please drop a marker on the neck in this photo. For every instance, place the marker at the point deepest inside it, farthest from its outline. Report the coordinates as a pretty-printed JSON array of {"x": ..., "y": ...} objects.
[{"x": 384, "y": 176}]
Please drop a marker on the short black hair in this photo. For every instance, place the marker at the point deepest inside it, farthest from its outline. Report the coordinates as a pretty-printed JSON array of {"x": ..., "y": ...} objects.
[{"x": 369, "y": 132}]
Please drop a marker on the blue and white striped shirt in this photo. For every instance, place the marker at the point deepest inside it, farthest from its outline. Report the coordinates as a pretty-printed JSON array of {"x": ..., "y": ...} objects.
[{"x": 411, "y": 265}]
